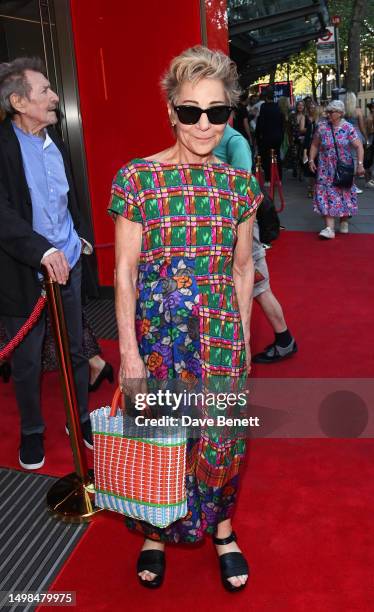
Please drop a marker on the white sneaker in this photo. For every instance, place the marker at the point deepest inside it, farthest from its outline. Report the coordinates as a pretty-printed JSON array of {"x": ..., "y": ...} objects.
[
  {"x": 343, "y": 227},
  {"x": 327, "y": 233},
  {"x": 358, "y": 190},
  {"x": 370, "y": 184}
]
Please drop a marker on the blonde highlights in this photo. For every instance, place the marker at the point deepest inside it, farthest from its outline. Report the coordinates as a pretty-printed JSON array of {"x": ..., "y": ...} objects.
[{"x": 199, "y": 63}]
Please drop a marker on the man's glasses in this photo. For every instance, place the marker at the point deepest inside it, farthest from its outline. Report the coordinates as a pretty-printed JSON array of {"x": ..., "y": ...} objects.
[{"x": 191, "y": 114}]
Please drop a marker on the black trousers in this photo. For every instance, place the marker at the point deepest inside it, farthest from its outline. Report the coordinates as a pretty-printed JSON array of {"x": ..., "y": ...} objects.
[
  {"x": 27, "y": 358},
  {"x": 264, "y": 152}
]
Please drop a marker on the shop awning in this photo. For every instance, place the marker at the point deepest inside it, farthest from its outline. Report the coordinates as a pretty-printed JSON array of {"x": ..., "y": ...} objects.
[{"x": 264, "y": 33}]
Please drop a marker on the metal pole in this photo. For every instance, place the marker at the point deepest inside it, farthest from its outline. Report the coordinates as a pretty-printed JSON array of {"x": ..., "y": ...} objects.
[
  {"x": 203, "y": 24},
  {"x": 66, "y": 377},
  {"x": 337, "y": 55},
  {"x": 70, "y": 498}
]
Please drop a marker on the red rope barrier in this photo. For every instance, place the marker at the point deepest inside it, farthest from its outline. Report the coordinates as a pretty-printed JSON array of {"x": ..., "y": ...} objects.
[
  {"x": 24, "y": 330},
  {"x": 259, "y": 173}
]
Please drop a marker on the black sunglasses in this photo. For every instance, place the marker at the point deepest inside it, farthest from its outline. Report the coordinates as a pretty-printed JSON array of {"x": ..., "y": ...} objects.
[{"x": 191, "y": 114}]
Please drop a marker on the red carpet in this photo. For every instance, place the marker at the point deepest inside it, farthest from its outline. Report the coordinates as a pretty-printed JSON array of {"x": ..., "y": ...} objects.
[{"x": 305, "y": 511}]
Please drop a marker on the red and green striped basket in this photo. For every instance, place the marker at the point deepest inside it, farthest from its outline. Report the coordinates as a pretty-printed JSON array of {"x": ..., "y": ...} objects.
[{"x": 143, "y": 478}]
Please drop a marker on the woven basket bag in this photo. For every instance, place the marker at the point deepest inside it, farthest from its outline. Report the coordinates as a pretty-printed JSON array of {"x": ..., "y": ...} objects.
[{"x": 143, "y": 478}]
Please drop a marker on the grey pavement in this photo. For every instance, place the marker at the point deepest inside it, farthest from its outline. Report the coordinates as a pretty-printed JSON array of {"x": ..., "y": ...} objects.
[{"x": 298, "y": 213}]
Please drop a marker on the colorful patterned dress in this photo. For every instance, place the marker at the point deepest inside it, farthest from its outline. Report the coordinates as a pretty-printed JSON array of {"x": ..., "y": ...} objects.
[
  {"x": 187, "y": 317},
  {"x": 329, "y": 200}
]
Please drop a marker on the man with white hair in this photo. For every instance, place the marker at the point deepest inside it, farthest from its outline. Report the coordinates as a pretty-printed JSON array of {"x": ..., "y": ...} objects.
[{"x": 39, "y": 225}]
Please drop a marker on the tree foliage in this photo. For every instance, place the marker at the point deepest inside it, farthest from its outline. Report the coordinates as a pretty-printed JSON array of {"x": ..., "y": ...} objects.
[
  {"x": 345, "y": 9},
  {"x": 302, "y": 67}
]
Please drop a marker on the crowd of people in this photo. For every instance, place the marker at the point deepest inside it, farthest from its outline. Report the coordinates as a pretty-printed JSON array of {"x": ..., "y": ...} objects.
[
  {"x": 185, "y": 240},
  {"x": 310, "y": 139}
]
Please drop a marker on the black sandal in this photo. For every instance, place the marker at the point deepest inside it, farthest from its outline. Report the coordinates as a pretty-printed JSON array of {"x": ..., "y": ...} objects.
[
  {"x": 231, "y": 564},
  {"x": 153, "y": 561}
]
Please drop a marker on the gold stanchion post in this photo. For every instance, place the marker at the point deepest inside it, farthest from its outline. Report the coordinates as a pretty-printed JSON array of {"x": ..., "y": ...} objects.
[{"x": 71, "y": 498}]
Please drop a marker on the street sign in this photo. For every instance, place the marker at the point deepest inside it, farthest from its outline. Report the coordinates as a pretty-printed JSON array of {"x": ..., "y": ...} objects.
[
  {"x": 326, "y": 48},
  {"x": 336, "y": 20},
  {"x": 326, "y": 56},
  {"x": 280, "y": 88},
  {"x": 328, "y": 37}
]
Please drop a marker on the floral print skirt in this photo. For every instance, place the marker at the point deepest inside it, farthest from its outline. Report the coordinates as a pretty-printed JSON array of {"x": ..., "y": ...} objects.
[{"x": 168, "y": 332}]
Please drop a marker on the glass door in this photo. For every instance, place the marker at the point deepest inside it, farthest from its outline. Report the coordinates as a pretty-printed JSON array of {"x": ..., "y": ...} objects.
[{"x": 42, "y": 28}]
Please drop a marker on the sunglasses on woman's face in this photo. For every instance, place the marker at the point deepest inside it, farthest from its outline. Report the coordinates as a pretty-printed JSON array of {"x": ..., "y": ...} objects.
[{"x": 189, "y": 115}]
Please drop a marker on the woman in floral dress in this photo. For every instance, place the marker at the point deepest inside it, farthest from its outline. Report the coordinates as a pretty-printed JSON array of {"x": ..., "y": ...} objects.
[
  {"x": 331, "y": 201},
  {"x": 184, "y": 278}
]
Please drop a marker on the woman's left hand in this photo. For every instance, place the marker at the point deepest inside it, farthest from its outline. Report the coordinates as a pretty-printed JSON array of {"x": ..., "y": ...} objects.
[{"x": 360, "y": 171}]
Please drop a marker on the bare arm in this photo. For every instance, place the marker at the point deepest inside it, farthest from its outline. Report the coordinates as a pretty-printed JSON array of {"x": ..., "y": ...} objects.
[
  {"x": 247, "y": 129},
  {"x": 361, "y": 124},
  {"x": 128, "y": 239},
  {"x": 302, "y": 128},
  {"x": 369, "y": 125},
  {"x": 313, "y": 153},
  {"x": 357, "y": 144},
  {"x": 243, "y": 273}
]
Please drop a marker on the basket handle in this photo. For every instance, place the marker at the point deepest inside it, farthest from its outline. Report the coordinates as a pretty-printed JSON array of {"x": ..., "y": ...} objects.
[{"x": 117, "y": 399}]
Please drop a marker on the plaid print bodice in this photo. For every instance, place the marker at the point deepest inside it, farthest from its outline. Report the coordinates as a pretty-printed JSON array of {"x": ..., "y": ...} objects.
[{"x": 189, "y": 214}]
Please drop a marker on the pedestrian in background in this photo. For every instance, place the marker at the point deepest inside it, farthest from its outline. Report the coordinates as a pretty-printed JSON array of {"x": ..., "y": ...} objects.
[
  {"x": 269, "y": 133},
  {"x": 330, "y": 201},
  {"x": 354, "y": 115},
  {"x": 233, "y": 149}
]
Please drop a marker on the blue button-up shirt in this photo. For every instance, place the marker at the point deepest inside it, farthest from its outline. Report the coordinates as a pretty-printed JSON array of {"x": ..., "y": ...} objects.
[{"x": 48, "y": 185}]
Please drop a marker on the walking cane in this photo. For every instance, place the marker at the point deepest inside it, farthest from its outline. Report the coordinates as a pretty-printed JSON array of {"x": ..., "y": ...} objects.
[{"x": 70, "y": 499}]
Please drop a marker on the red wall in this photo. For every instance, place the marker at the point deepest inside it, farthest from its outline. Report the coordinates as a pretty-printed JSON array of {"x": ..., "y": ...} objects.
[
  {"x": 122, "y": 49},
  {"x": 216, "y": 24}
]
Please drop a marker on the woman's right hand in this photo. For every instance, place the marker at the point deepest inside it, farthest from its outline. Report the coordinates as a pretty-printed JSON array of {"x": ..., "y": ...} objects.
[
  {"x": 312, "y": 166},
  {"x": 132, "y": 376}
]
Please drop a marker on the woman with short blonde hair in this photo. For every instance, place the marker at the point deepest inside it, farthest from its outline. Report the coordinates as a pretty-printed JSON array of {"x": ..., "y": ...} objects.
[
  {"x": 184, "y": 278},
  {"x": 199, "y": 63}
]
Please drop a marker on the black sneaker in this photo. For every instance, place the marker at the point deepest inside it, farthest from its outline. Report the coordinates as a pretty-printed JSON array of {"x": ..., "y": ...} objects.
[
  {"x": 86, "y": 433},
  {"x": 31, "y": 451},
  {"x": 274, "y": 353}
]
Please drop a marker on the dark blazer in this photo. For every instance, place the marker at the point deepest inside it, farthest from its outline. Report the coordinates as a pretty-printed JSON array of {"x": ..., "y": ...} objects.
[
  {"x": 270, "y": 125},
  {"x": 21, "y": 249}
]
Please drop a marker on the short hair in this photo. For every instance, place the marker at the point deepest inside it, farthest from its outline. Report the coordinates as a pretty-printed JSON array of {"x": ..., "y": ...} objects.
[
  {"x": 336, "y": 105},
  {"x": 269, "y": 93},
  {"x": 13, "y": 80},
  {"x": 199, "y": 63}
]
